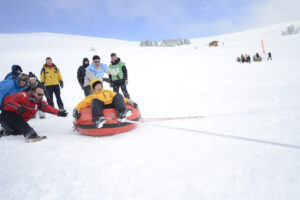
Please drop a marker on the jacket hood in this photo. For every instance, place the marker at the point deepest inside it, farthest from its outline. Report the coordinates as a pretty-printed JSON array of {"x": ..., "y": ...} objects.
[
  {"x": 94, "y": 82},
  {"x": 84, "y": 60},
  {"x": 14, "y": 69}
]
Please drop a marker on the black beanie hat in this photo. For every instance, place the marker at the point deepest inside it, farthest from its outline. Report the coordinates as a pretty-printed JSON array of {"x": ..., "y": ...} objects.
[{"x": 96, "y": 57}]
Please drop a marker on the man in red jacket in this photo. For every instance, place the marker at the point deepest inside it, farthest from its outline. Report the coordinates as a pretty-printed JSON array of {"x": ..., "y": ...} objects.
[{"x": 20, "y": 108}]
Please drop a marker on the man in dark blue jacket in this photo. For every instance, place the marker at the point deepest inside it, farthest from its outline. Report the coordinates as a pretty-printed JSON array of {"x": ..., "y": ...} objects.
[{"x": 15, "y": 71}]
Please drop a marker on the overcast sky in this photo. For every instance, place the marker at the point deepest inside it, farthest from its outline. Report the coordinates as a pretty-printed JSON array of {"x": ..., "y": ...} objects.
[{"x": 144, "y": 19}]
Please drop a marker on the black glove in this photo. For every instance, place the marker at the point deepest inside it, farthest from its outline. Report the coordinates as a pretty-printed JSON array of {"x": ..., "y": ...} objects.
[
  {"x": 62, "y": 113},
  {"x": 76, "y": 114},
  {"x": 135, "y": 105},
  {"x": 21, "y": 110},
  {"x": 61, "y": 83},
  {"x": 130, "y": 102}
]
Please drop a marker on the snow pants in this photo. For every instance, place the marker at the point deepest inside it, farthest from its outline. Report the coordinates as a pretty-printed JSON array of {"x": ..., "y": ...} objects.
[
  {"x": 56, "y": 90},
  {"x": 97, "y": 106},
  {"x": 14, "y": 124},
  {"x": 122, "y": 85},
  {"x": 87, "y": 90}
]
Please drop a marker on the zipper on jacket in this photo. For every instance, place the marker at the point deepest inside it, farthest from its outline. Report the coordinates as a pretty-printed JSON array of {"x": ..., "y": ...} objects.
[{"x": 104, "y": 95}]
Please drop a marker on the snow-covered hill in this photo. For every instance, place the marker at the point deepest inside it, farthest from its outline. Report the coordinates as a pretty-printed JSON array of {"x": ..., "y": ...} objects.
[{"x": 258, "y": 101}]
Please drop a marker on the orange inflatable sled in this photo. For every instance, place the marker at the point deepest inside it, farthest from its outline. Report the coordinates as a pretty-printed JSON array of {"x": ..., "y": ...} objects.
[{"x": 112, "y": 126}]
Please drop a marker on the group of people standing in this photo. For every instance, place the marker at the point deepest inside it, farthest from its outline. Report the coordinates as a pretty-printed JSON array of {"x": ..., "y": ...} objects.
[
  {"x": 21, "y": 95},
  {"x": 117, "y": 71}
]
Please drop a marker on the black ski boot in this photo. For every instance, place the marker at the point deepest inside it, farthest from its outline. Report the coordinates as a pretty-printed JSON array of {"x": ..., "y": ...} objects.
[
  {"x": 31, "y": 136},
  {"x": 99, "y": 122},
  {"x": 122, "y": 116},
  {"x": 1, "y": 132}
]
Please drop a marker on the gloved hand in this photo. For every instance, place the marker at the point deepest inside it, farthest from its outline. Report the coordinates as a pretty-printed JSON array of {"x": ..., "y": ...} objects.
[
  {"x": 76, "y": 113},
  {"x": 62, "y": 113},
  {"x": 61, "y": 83},
  {"x": 130, "y": 102},
  {"x": 21, "y": 110}
]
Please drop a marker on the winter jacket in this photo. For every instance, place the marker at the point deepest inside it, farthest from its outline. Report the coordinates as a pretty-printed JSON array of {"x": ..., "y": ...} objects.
[
  {"x": 29, "y": 102},
  {"x": 9, "y": 86},
  {"x": 92, "y": 72},
  {"x": 13, "y": 72},
  {"x": 106, "y": 96},
  {"x": 119, "y": 67},
  {"x": 50, "y": 75},
  {"x": 81, "y": 72}
]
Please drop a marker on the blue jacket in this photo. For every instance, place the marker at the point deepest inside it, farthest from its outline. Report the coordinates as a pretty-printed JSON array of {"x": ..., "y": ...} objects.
[
  {"x": 92, "y": 73},
  {"x": 98, "y": 73},
  {"x": 9, "y": 86},
  {"x": 13, "y": 71}
]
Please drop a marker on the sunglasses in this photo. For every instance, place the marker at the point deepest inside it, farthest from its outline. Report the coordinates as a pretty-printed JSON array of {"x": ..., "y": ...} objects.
[
  {"x": 96, "y": 61},
  {"x": 25, "y": 80},
  {"x": 39, "y": 94}
]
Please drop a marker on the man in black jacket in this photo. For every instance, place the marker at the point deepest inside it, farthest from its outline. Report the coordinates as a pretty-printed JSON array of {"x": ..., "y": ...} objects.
[
  {"x": 81, "y": 75},
  {"x": 121, "y": 79}
]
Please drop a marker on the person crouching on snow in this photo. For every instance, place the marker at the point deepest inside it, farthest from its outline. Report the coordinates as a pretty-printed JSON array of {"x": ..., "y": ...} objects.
[
  {"x": 104, "y": 98},
  {"x": 20, "y": 108}
]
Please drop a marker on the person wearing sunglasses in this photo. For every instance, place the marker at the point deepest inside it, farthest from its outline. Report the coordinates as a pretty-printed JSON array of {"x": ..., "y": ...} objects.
[
  {"x": 13, "y": 85},
  {"x": 94, "y": 71},
  {"x": 19, "y": 108}
]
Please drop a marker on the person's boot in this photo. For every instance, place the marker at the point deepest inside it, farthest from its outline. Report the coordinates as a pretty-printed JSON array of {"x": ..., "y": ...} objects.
[
  {"x": 31, "y": 136},
  {"x": 41, "y": 114},
  {"x": 98, "y": 122},
  {"x": 1, "y": 131},
  {"x": 122, "y": 116},
  {"x": 6, "y": 130}
]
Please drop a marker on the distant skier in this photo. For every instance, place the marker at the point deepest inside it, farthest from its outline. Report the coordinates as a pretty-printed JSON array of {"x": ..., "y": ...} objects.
[
  {"x": 96, "y": 70},
  {"x": 51, "y": 78},
  {"x": 121, "y": 79},
  {"x": 248, "y": 59},
  {"x": 243, "y": 58},
  {"x": 20, "y": 108},
  {"x": 103, "y": 98},
  {"x": 15, "y": 71},
  {"x": 81, "y": 75},
  {"x": 269, "y": 56}
]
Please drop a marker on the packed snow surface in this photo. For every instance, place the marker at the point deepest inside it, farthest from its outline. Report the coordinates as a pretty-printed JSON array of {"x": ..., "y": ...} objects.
[{"x": 255, "y": 108}]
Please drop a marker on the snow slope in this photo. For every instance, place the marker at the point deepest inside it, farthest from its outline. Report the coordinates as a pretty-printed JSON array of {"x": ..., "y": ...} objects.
[{"x": 257, "y": 100}]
